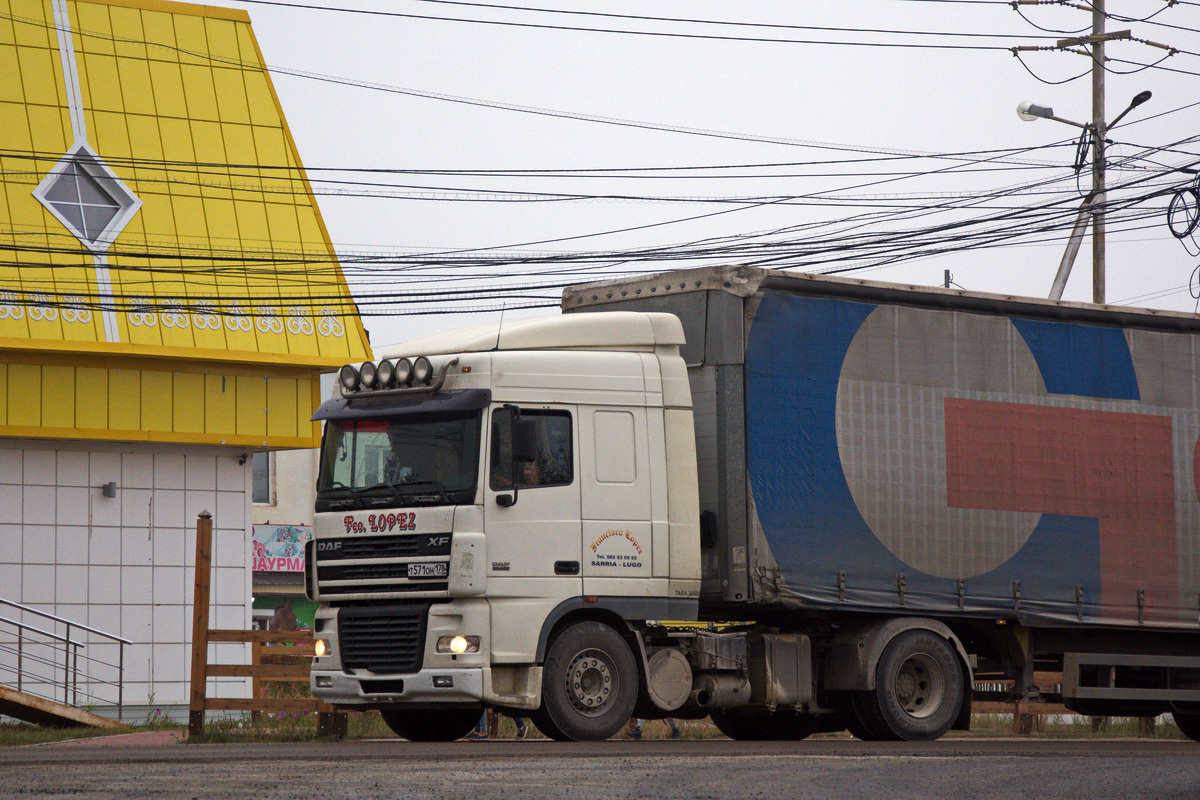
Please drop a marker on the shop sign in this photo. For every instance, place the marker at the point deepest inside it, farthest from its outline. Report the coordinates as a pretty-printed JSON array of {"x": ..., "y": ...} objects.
[{"x": 279, "y": 548}]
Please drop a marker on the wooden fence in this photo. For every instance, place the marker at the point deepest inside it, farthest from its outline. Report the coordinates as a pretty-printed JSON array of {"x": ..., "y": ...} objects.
[{"x": 272, "y": 651}]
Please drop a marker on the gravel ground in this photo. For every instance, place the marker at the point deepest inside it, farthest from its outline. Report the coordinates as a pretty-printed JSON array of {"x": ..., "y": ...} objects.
[{"x": 691, "y": 770}]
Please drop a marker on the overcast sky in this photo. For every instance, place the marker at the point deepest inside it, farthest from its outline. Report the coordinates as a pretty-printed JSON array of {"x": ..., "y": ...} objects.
[{"x": 870, "y": 100}]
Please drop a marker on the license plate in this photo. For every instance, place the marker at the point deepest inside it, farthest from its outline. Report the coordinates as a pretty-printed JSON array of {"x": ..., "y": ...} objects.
[{"x": 428, "y": 570}]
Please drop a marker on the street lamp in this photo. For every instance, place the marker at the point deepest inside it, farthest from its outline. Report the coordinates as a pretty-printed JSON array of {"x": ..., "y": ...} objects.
[{"x": 1093, "y": 204}]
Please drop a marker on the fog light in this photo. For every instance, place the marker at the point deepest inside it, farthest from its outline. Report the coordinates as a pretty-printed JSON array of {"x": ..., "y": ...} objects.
[
  {"x": 349, "y": 377},
  {"x": 422, "y": 370},
  {"x": 385, "y": 374},
  {"x": 443, "y": 681},
  {"x": 320, "y": 647},
  {"x": 458, "y": 644},
  {"x": 367, "y": 373},
  {"x": 324, "y": 682},
  {"x": 403, "y": 372}
]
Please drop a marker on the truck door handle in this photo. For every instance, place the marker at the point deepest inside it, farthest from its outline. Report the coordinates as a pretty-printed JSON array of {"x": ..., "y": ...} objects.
[{"x": 566, "y": 567}]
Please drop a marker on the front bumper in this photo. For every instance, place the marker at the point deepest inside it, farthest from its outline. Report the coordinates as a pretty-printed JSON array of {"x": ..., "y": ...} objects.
[{"x": 365, "y": 689}]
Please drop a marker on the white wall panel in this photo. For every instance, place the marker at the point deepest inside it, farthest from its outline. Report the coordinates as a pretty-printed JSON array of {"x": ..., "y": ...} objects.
[
  {"x": 123, "y": 564},
  {"x": 37, "y": 584},
  {"x": 11, "y": 497},
  {"x": 137, "y": 546},
  {"x": 168, "y": 470},
  {"x": 72, "y": 583},
  {"x": 11, "y": 466},
  {"x": 137, "y": 470},
  {"x": 39, "y": 467},
  {"x": 104, "y": 547},
  {"x": 200, "y": 472},
  {"x": 168, "y": 508},
  {"x": 71, "y": 503},
  {"x": 39, "y": 544},
  {"x": 37, "y": 504},
  {"x": 72, "y": 468},
  {"x": 104, "y": 586}
]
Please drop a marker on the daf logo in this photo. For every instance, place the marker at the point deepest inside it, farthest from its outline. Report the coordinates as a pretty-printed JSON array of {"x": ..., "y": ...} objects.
[
  {"x": 437, "y": 541},
  {"x": 328, "y": 546}
]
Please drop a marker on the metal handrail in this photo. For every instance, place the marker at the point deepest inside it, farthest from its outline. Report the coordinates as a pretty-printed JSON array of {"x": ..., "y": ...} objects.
[
  {"x": 64, "y": 621},
  {"x": 70, "y": 650}
]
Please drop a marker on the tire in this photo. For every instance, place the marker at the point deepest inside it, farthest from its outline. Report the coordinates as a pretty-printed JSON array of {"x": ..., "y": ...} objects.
[
  {"x": 431, "y": 726},
  {"x": 918, "y": 691},
  {"x": 589, "y": 683},
  {"x": 762, "y": 726},
  {"x": 1189, "y": 724},
  {"x": 543, "y": 723}
]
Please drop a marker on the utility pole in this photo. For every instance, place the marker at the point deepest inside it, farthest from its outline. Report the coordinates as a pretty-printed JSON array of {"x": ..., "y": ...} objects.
[
  {"x": 1098, "y": 131},
  {"x": 1093, "y": 205}
]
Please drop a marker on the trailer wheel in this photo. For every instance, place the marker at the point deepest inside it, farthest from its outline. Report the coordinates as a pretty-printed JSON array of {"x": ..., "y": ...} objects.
[
  {"x": 918, "y": 690},
  {"x": 427, "y": 726},
  {"x": 589, "y": 683},
  {"x": 762, "y": 726},
  {"x": 1188, "y": 724}
]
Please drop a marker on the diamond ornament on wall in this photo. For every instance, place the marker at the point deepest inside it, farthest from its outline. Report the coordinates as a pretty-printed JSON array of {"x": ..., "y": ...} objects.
[{"x": 86, "y": 196}]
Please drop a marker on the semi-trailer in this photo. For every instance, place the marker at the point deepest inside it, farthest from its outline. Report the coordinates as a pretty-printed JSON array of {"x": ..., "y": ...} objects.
[{"x": 903, "y": 492}]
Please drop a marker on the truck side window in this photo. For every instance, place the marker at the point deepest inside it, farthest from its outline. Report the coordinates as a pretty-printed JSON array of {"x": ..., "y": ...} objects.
[{"x": 554, "y": 464}]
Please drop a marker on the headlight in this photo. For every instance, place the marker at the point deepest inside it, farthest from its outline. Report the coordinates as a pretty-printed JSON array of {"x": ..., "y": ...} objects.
[
  {"x": 349, "y": 377},
  {"x": 320, "y": 647},
  {"x": 458, "y": 644}
]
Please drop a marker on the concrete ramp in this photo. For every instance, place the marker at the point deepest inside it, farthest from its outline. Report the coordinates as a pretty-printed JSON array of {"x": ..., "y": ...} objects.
[{"x": 41, "y": 711}]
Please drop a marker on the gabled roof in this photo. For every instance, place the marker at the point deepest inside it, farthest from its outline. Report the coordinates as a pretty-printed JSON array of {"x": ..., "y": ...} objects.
[{"x": 217, "y": 250}]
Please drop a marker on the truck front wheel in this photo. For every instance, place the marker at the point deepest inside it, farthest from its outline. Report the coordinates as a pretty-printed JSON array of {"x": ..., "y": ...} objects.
[
  {"x": 431, "y": 726},
  {"x": 589, "y": 683},
  {"x": 1188, "y": 724},
  {"x": 918, "y": 690}
]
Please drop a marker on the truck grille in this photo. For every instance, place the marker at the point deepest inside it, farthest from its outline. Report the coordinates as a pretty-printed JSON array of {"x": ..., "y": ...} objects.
[
  {"x": 387, "y": 568},
  {"x": 408, "y": 546},
  {"x": 383, "y": 639}
]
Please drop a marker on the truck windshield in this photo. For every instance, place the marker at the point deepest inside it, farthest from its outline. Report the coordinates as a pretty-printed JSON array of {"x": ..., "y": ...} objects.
[{"x": 427, "y": 459}]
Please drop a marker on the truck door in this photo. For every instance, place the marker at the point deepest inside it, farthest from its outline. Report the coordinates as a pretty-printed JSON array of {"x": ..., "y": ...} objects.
[
  {"x": 538, "y": 535},
  {"x": 615, "y": 479}
]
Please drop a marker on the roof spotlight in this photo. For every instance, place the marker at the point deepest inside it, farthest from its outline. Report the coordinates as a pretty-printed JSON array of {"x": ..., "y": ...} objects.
[
  {"x": 367, "y": 372},
  {"x": 422, "y": 370},
  {"x": 348, "y": 376},
  {"x": 385, "y": 374},
  {"x": 403, "y": 372}
]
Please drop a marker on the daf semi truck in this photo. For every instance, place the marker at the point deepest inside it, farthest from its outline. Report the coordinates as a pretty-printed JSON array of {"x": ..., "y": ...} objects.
[{"x": 902, "y": 493}]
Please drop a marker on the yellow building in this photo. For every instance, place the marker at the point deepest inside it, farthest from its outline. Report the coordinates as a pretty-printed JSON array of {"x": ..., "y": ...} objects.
[{"x": 168, "y": 298}]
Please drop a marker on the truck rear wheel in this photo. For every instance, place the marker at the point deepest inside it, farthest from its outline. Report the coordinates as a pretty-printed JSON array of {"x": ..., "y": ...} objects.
[
  {"x": 589, "y": 683},
  {"x": 762, "y": 726},
  {"x": 431, "y": 726},
  {"x": 1188, "y": 724},
  {"x": 918, "y": 691}
]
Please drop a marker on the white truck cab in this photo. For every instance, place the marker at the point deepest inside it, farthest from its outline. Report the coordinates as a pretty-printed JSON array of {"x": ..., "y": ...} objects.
[{"x": 485, "y": 491}]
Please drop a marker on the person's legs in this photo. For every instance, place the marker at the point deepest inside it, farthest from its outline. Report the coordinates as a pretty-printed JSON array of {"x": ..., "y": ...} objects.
[
  {"x": 480, "y": 733},
  {"x": 675, "y": 732},
  {"x": 634, "y": 729},
  {"x": 522, "y": 728}
]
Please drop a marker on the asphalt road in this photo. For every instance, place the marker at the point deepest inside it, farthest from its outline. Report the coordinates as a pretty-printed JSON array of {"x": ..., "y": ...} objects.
[{"x": 534, "y": 770}]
